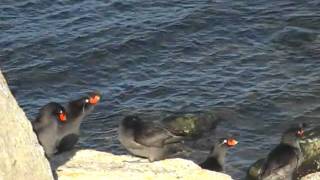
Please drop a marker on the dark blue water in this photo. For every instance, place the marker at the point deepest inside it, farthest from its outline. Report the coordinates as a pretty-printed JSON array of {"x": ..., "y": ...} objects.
[{"x": 258, "y": 62}]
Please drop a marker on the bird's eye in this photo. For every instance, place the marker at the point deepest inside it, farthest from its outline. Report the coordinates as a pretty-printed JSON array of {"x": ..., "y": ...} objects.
[{"x": 87, "y": 100}]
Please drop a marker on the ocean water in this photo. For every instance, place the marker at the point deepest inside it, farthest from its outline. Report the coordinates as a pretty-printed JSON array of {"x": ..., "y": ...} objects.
[{"x": 255, "y": 62}]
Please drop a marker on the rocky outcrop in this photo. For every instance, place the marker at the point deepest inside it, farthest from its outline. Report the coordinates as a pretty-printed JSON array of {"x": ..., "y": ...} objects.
[
  {"x": 21, "y": 156},
  {"x": 191, "y": 124},
  {"x": 313, "y": 176},
  {"x": 91, "y": 164}
]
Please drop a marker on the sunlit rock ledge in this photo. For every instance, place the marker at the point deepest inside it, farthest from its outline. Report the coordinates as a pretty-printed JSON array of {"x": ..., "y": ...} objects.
[
  {"x": 313, "y": 176},
  {"x": 91, "y": 164}
]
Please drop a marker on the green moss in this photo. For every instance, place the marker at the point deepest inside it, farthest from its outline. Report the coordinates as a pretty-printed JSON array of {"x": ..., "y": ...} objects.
[
  {"x": 310, "y": 144},
  {"x": 186, "y": 124},
  {"x": 190, "y": 124}
]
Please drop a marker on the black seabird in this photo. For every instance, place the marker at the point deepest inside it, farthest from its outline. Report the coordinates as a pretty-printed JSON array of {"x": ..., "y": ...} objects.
[{"x": 147, "y": 139}]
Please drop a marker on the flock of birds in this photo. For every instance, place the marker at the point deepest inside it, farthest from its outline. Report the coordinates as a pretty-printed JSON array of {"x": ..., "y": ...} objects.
[{"x": 58, "y": 130}]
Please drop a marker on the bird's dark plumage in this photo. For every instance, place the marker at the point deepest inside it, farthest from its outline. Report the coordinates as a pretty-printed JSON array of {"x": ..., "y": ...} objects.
[
  {"x": 77, "y": 110},
  {"x": 60, "y": 132},
  {"x": 149, "y": 134},
  {"x": 280, "y": 157},
  {"x": 216, "y": 158},
  {"x": 285, "y": 158},
  {"x": 46, "y": 126},
  {"x": 67, "y": 143},
  {"x": 146, "y": 139},
  {"x": 211, "y": 163}
]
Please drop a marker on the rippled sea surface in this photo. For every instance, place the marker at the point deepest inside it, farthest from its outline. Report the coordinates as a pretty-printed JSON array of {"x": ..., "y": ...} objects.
[{"x": 257, "y": 62}]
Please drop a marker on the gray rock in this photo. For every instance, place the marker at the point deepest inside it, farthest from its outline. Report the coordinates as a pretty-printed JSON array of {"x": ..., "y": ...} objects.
[{"x": 21, "y": 156}]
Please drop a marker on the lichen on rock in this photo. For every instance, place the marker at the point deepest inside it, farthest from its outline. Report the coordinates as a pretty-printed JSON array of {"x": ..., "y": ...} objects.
[{"x": 191, "y": 124}]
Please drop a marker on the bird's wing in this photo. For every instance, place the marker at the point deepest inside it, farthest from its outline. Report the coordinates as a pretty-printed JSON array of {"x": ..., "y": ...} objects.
[
  {"x": 67, "y": 143},
  {"x": 154, "y": 135},
  {"x": 280, "y": 157}
]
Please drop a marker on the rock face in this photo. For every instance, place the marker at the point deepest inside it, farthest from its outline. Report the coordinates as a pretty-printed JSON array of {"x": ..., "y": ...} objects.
[
  {"x": 21, "y": 156},
  {"x": 314, "y": 176},
  {"x": 91, "y": 164}
]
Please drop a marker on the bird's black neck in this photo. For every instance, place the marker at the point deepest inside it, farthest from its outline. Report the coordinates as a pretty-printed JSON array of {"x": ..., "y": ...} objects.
[
  {"x": 218, "y": 152},
  {"x": 76, "y": 108}
]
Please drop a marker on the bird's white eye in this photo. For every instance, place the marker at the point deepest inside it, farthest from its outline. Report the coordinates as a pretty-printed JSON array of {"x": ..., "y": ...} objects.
[
  {"x": 60, "y": 111},
  {"x": 225, "y": 141},
  {"x": 87, "y": 100}
]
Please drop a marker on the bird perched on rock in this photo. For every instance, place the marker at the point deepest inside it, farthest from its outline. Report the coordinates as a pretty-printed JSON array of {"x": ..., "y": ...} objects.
[
  {"x": 77, "y": 110},
  {"x": 147, "y": 139},
  {"x": 50, "y": 118},
  {"x": 216, "y": 158},
  {"x": 58, "y": 128},
  {"x": 283, "y": 160}
]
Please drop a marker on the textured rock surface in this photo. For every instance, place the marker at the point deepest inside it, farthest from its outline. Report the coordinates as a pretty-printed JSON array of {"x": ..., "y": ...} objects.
[
  {"x": 314, "y": 176},
  {"x": 21, "y": 156},
  {"x": 91, "y": 164},
  {"x": 310, "y": 145}
]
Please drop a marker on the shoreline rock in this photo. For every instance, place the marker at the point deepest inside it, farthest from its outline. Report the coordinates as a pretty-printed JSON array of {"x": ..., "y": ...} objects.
[
  {"x": 21, "y": 156},
  {"x": 191, "y": 124},
  {"x": 313, "y": 176},
  {"x": 85, "y": 164}
]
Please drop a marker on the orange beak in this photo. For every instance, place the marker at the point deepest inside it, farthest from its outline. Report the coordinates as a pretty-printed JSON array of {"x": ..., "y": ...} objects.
[
  {"x": 231, "y": 142},
  {"x": 300, "y": 132},
  {"x": 94, "y": 100},
  {"x": 62, "y": 117}
]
